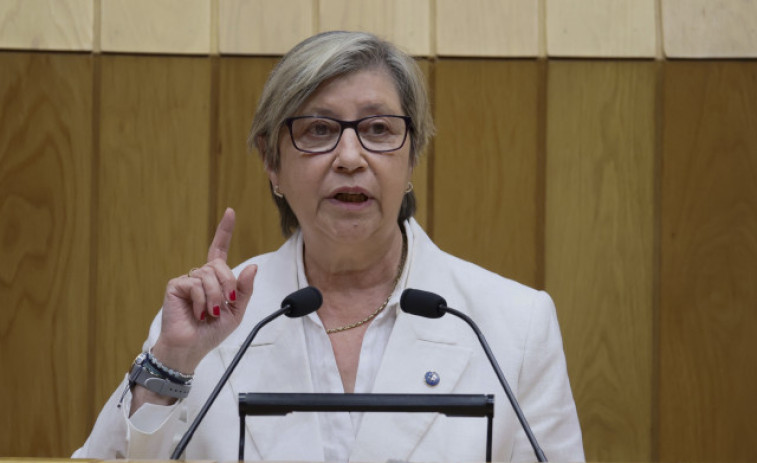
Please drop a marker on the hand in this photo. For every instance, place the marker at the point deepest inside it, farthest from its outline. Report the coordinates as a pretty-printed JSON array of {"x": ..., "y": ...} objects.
[{"x": 201, "y": 310}]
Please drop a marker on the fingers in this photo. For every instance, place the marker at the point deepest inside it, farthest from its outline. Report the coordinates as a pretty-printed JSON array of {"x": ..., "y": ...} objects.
[
  {"x": 218, "y": 284},
  {"x": 219, "y": 248},
  {"x": 189, "y": 290},
  {"x": 245, "y": 284}
]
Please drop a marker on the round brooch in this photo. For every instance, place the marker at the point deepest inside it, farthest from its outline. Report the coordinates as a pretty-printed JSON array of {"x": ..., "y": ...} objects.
[{"x": 432, "y": 378}]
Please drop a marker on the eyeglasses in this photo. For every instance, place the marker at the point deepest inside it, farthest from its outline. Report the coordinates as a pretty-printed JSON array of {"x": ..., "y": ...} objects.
[{"x": 320, "y": 134}]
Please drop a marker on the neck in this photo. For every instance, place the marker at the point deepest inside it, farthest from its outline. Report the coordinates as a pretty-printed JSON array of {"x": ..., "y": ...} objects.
[{"x": 335, "y": 266}]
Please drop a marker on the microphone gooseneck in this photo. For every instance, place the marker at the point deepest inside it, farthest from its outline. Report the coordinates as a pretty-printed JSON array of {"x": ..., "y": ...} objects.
[
  {"x": 431, "y": 305},
  {"x": 297, "y": 304}
]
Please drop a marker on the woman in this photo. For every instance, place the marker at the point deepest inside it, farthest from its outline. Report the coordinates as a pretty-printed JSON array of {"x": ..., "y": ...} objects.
[{"x": 340, "y": 125}]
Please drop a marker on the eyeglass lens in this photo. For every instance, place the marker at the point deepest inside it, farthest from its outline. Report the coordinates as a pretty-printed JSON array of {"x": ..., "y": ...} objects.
[{"x": 320, "y": 134}]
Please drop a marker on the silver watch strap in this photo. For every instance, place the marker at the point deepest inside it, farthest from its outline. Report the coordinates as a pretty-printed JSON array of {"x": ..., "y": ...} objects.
[{"x": 161, "y": 386}]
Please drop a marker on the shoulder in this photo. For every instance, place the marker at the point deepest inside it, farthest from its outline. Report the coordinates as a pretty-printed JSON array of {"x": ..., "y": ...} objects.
[{"x": 470, "y": 288}]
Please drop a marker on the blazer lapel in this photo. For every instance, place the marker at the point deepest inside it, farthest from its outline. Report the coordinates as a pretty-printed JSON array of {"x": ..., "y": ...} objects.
[
  {"x": 275, "y": 363},
  {"x": 415, "y": 347}
]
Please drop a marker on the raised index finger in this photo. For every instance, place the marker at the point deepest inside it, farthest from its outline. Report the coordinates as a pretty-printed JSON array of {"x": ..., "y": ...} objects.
[{"x": 219, "y": 248}]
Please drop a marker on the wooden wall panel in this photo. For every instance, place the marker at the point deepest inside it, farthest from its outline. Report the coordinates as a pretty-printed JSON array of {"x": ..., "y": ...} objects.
[
  {"x": 242, "y": 182},
  {"x": 45, "y": 178},
  {"x": 264, "y": 27},
  {"x": 709, "y": 28},
  {"x": 47, "y": 24},
  {"x": 422, "y": 171},
  {"x": 153, "y": 202},
  {"x": 600, "y": 185},
  {"x": 487, "y": 28},
  {"x": 486, "y": 164},
  {"x": 601, "y": 28},
  {"x": 708, "y": 349},
  {"x": 407, "y": 24},
  {"x": 156, "y": 26}
]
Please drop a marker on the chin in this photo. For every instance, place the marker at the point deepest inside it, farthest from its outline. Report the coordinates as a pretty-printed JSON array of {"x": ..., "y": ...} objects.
[{"x": 354, "y": 230}]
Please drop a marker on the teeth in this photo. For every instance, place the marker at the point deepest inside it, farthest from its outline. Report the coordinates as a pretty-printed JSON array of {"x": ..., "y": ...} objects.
[{"x": 351, "y": 197}]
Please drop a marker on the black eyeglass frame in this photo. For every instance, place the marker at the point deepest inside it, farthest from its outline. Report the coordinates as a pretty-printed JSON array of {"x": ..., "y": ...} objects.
[{"x": 348, "y": 125}]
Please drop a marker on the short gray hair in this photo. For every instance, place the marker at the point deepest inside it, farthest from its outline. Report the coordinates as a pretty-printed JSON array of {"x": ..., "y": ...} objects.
[{"x": 320, "y": 58}]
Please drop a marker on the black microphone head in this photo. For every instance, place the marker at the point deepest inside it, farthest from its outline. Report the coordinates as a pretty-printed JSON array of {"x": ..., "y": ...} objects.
[
  {"x": 423, "y": 303},
  {"x": 302, "y": 302}
]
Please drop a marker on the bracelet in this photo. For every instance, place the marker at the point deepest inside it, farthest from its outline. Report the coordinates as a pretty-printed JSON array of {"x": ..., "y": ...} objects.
[{"x": 161, "y": 370}]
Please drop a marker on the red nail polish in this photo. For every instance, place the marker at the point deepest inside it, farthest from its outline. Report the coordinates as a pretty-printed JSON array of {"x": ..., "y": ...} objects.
[
  {"x": 233, "y": 296},
  {"x": 202, "y": 317},
  {"x": 216, "y": 310}
]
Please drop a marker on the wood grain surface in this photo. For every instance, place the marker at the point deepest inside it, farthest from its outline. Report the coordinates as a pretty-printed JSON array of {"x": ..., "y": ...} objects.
[
  {"x": 422, "y": 171},
  {"x": 485, "y": 172},
  {"x": 148, "y": 26},
  {"x": 153, "y": 202},
  {"x": 242, "y": 182},
  {"x": 481, "y": 28},
  {"x": 600, "y": 28},
  {"x": 407, "y": 24},
  {"x": 47, "y": 24},
  {"x": 709, "y": 28},
  {"x": 708, "y": 348},
  {"x": 45, "y": 178},
  {"x": 600, "y": 246},
  {"x": 264, "y": 27},
  {"x": 491, "y": 28},
  {"x": 626, "y": 188}
]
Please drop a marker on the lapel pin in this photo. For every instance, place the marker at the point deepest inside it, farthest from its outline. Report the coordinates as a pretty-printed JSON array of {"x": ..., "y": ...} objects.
[{"x": 432, "y": 378}]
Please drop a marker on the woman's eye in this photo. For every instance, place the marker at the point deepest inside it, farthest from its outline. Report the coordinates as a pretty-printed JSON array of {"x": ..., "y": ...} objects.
[
  {"x": 319, "y": 128},
  {"x": 377, "y": 128}
]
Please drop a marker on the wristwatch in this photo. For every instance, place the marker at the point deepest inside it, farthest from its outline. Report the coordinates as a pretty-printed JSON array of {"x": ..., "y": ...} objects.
[{"x": 152, "y": 380}]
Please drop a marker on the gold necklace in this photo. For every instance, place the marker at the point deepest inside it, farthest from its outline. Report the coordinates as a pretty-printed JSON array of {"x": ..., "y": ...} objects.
[{"x": 384, "y": 304}]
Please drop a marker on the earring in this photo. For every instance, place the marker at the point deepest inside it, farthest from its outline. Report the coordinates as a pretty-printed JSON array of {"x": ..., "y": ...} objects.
[
  {"x": 409, "y": 187},
  {"x": 277, "y": 193}
]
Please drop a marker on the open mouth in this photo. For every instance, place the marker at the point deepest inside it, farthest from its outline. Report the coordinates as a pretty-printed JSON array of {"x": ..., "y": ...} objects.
[{"x": 351, "y": 197}]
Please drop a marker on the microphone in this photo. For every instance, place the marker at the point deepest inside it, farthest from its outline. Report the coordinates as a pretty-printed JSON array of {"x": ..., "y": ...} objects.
[
  {"x": 430, "y": 305},
  {"x": 297, "y": 304}
]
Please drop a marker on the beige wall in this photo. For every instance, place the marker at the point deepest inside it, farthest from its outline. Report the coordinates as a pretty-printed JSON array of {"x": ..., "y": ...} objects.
[{"x": 575, "y": 152}]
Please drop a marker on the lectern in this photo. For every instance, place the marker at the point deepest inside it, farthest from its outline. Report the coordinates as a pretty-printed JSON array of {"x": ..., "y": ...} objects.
[{"x": 459, "y": 405}]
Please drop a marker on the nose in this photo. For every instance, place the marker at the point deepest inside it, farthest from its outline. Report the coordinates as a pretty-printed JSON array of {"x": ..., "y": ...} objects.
[{"x": 350, "y": 155}]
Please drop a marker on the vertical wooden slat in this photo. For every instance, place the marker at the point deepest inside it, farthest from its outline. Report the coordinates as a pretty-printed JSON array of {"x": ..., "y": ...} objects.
[
  {"x": 600, "y": 28},
  {"x": 709, "y": 28},
  {"x": 600, "y": 245},
  {"x": 708, "y": 349},
  {"x": 156, "y": 26},
  {"x": 45, "y": 178},
  {"x": 407, "y": 24},
  {"x": 492, "y": 28},
  {"x": 46, "y": 24},
  {"x": 153, "y": 197},
  {"x": 422, "y": 170},
  {"x": 264, "y": 27},
  {"x": 485, "y": 185},
  {"x": 242, "y": 182}
]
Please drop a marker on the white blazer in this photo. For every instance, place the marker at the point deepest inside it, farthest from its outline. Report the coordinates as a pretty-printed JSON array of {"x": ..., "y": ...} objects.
[{"x": 519, "y": 323}]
